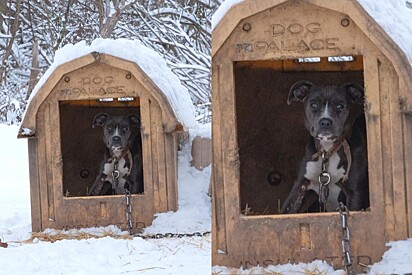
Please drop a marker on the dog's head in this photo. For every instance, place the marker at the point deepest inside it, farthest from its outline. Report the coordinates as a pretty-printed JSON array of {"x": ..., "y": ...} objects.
[
  {"x": 116, "y": 129},
  {"x": 327, "y": 107}
]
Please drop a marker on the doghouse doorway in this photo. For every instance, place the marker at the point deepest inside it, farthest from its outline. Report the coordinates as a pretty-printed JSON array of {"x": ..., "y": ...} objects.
[
  {"x": 82, "y": 146},
  {"x": 271, "y": 134}
]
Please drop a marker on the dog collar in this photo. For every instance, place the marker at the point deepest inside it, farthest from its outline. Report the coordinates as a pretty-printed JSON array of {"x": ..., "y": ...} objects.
[
  {"x": 346, "y": 149},
  {"x": 122, "y": 154}
]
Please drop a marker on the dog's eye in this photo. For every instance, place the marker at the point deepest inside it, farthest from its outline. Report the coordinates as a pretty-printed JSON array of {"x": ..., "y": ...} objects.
[
  {"x": 109, "y": 128},
  {"x": 125, "y": 129},
  {"x": 314, "y": 105},
  {"x": 339, "y": 106}
]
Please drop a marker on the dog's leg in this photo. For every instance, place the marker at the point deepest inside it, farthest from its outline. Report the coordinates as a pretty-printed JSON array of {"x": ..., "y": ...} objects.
[
  {"x": 97, "y": 186},
  {"x": 294, "y": 201}
]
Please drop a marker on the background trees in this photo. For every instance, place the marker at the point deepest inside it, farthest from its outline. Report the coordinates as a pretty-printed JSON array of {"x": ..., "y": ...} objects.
[{"x": 32, "y": 31}]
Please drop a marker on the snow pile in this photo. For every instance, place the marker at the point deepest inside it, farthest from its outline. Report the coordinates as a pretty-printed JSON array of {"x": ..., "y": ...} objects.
[
  {"x": 194, "y": 213},
  {"x": 397, "y": 260},
  {"x": 15, "y": 219},
  {"x": 147, "y": 59},
  {"x": 315, "y": 267},
  {"x": 393, "y": 16}
]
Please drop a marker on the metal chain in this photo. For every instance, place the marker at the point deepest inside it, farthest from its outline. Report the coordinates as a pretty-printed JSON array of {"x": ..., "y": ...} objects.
[
  {"x": 347, "y": 261},
  {"x": 172, "y": 235},
  {"x": 115, "y": 174},
  {"x": 128, "y": 198},
  {"x": 324, "y": 180}
]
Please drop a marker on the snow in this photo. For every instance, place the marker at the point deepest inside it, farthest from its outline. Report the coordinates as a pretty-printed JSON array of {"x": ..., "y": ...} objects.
[
  {"x": 315, "y": 267},
  {"x": 106, "y": 255},
  {"x": 222, "y": 10},
  {"x": 147, "y": 59},
  {"x": 392, "y": 15}
]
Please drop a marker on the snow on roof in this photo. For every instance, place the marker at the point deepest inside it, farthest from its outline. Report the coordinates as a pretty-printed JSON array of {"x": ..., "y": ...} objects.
[
  {"x": 147, "y": 59},
  {"x": 393, "y": 16}
]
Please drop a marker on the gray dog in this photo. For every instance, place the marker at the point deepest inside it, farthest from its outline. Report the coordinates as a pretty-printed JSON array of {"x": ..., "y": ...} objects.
[
  {"x": 122, "y": 166},
  {"x": 335, "y": 162}
]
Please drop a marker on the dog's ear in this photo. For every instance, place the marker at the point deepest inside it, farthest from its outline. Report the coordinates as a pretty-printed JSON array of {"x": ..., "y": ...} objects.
[
  {"x": 99, "y": 119},
  {"x": 299, "y": 91},
  {"x": 134, "y": 121},
  {"x": 355, "y": 92}
]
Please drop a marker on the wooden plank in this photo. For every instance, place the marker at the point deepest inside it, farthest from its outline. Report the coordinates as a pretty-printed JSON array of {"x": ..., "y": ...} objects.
[
  {"x": 153, "y": 122},
  {"x": 219, "y": 238},
  {"x": 55, "y": 171},
  {"x": 290, "y": 65},
  {"x": 146, "y": 131},
  {"x": 397, "y": 150},
  {"x": 230, "y": 155},
  {"x": 97, "y": 103},
  {"x": 374, "y": 133},
  {"x": 35, "y": 196},
  {"x": 206, "y": 152},
  {"x": 171, "y": 171},
  {"x": 197, "y": 153},
  {"x": 161, "y": 160},
  {"x": 42, "y": 165},
  {"x": 407, "y": 138},
  {"x": 48, "y": 134},
  {"x": 384, "y": 86}
]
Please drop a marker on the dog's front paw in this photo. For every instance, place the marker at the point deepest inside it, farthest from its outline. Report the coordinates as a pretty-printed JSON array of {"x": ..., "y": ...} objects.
[{"x": 294, "y": 201}]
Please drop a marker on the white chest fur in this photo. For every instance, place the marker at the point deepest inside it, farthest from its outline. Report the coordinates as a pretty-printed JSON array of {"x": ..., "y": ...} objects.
[
  {"x": 123, "y": 173},
  {"x": 313, "y": 170}
]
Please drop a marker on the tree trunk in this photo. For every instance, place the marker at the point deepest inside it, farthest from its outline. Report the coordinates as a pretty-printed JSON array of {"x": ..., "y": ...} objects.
[
  {"x": 13, "y": 32},
  {"x": 34, "y": 71}
]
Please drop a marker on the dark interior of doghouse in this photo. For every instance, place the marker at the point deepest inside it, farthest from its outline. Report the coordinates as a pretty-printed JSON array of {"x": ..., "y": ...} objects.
[
  {"x": 82, "y": 145},
  {"x": 271, "y": 134}
]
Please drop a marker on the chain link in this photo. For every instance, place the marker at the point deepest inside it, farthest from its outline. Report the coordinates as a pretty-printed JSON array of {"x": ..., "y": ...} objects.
[
  {"x": 347, "y": 261},
  {"x": 324, "y": 180},
  {"x": 115, "y": 175},
  {"x": 128, "y": 198},
  {"x": 172, "y": 235}
]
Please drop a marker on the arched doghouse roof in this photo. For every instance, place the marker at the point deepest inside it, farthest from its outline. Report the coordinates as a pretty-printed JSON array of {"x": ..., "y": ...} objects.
[
  {"x": 129, "y": 55},
  {"x": 233, "y": 11}
]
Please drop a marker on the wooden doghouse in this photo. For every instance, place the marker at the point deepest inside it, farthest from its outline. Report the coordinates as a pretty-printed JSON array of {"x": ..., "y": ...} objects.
[
  {"x": 65, "y": 151},
  {"x": 260, "y": 48}
]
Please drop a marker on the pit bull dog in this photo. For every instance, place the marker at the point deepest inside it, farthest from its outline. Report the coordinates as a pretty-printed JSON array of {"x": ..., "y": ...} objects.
[
  {"x": 121, "y": 167},
  {"x": 335, "y": 162}
]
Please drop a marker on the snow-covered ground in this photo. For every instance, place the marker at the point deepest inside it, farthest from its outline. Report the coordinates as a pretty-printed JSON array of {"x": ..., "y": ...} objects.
[{"x": 189, "y": 255}]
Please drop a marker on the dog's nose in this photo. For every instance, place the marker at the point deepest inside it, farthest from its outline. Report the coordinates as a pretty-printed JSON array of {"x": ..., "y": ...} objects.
[
  {"x": 116, "y": 139},
  {"x": 325, "y": 123}
]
